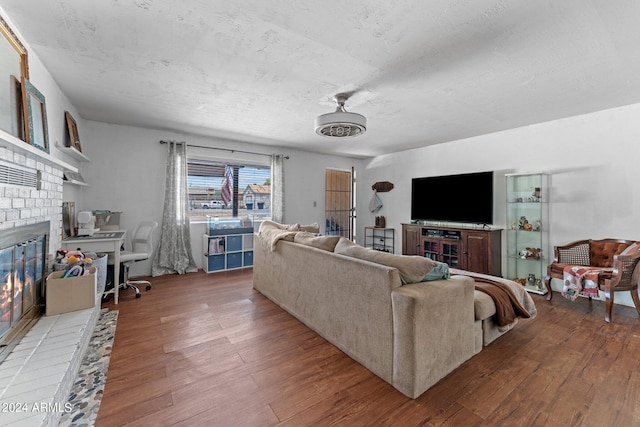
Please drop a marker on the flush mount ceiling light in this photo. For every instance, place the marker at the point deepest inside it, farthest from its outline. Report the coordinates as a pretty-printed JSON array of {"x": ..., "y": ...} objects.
[{"x": 341, "y": 123}]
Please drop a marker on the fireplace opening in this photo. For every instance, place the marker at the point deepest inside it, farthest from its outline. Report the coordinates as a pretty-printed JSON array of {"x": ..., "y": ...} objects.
[{"x": 23, "y": 266}]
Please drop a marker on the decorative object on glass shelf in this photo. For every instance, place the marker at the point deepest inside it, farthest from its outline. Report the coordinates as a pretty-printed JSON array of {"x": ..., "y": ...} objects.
[
  {"x": 538, "y": 226},
  {"x": 530, "y": 253},
  {"x": 35, "y": 116},
  {"x": 522, "y": 224},
  {"x": 531, "y": 280},
  {"x": 536, "y": 194},
  {"x": 381, "y": 222},
  {"x": 72, "y": 127}
]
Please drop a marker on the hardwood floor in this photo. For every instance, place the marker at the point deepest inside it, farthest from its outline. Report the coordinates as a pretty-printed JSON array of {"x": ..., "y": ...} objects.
[{"x": 208, "y": 350}]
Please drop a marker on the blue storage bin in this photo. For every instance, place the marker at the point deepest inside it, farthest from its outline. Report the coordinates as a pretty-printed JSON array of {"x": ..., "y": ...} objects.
[
  {"x": 234, "y": 260},
  {"x": 234, "y": 243},
  {"x": 215, "y": 262},
  {"x": 248, "y": 258}
]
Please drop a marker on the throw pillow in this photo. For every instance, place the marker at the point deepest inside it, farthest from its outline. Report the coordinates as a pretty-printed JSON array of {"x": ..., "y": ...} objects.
[
  {"x": 312, "y": 228},
  {"x": 412, "y": 268},
  {"x": 327, "y": 243},
  {"x": 439, "y": 272}
]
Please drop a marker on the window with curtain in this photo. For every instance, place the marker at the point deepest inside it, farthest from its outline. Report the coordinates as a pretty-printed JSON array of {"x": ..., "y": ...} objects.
[{"x": 224, "y": 189}]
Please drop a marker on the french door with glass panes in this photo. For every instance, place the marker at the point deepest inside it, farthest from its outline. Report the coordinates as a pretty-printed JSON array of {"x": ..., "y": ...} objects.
[{"x": 339, "y": 203}]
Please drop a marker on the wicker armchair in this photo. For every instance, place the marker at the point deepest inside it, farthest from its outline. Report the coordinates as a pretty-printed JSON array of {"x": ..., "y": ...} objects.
[
  {"x": 625, "y": 277},
  {"x": 602, "y": 254}
]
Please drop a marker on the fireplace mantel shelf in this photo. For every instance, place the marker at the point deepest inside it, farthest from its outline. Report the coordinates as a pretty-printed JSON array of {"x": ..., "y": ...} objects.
[{"x": 17, "y": 145}]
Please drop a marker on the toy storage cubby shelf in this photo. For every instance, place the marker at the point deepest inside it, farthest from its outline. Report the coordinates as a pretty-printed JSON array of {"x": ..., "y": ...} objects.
[
  {"x": 528, "y": 230},
  {"x": 228, "y": 244}
]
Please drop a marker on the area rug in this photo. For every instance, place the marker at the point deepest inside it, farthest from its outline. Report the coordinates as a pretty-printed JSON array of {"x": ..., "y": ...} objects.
[{"x": 86, "y": 393}]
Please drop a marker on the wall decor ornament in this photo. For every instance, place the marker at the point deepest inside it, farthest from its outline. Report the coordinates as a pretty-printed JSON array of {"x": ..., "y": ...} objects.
[
  {"x": 35, "y": 116},
  {"x": 382, "y": 186},
  {"x": 13, "y": 68},
  {"x": 74, "y": 137}
]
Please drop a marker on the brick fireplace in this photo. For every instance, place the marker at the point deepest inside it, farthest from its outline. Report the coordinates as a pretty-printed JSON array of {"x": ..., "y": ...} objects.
[
  {"x": 38, "y": 367},
  {"x": 22, "y": 272},
  {"x": 31, "y": 193}
]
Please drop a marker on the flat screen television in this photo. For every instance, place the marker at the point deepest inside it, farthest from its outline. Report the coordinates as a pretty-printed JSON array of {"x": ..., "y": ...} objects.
[{"x": 466, "y": 198}]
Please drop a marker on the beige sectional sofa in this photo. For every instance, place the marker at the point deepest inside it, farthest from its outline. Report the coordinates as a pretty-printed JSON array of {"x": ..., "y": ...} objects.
[{"x": 410, "y": 335}]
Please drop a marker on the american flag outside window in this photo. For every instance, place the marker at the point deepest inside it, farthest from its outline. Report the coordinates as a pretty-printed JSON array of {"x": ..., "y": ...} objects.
[{"x": 226, "y": 192}]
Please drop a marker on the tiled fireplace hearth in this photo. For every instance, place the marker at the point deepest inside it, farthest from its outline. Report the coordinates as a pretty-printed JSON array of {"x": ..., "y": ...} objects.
[{"x": 37, "y": 372}]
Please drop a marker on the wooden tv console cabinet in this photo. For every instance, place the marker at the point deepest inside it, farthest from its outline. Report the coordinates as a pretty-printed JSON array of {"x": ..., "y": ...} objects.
[{"x": 470, "y": 249}]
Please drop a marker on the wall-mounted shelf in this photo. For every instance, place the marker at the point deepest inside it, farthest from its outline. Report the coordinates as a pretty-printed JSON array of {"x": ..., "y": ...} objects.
[
  {"x": 74, "y": 178},
  {"x": 17, "y": 145},
  {"x": 72, "y": 152}
]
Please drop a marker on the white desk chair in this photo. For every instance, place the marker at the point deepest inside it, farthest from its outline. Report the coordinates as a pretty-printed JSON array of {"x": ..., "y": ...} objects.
[{"x": 142, "y": 245}]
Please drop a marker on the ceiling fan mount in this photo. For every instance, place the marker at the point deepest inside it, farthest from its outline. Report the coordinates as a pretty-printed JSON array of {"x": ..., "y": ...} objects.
[{"x": 340, "y": 123}]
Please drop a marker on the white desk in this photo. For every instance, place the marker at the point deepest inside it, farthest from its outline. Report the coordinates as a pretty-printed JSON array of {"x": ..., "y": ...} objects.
[{"x": 103, "y": 241}]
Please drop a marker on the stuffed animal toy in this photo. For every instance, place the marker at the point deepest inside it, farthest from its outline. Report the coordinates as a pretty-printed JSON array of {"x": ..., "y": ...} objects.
[
  {"x": 523, "y": 222},
  {"x": 534, "y": 253},
  {"x": 525, "y": 253}
]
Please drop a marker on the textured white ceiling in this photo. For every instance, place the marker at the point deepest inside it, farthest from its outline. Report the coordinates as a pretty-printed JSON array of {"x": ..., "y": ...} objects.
[{"x": 424, "y": 72}]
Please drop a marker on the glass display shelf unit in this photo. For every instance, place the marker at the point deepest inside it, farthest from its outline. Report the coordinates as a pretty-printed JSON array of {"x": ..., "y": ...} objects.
[
  {"x": 527, "y": 230},
  {"x": 228, "y": 243}
]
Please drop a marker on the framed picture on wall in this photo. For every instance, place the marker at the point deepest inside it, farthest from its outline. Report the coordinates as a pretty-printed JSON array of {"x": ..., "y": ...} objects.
[
  {"x": 13, "y": 68},
  {"x": 74, "y": 138},
  {"x": 68, "y": 219},
  {"x": 17, "y": 121},
  {"x": 35, "y": 116}
]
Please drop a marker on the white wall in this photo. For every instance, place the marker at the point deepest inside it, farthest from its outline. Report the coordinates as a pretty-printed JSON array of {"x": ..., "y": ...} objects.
[
  {"x": 592, "y": 162},
  {"x": 127, "y": 174}
]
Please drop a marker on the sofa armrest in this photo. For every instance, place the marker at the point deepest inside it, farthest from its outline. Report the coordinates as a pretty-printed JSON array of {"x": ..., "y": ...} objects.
[
  {"x": 626, "y": 271},
  {"x": 433, "y": 332}
]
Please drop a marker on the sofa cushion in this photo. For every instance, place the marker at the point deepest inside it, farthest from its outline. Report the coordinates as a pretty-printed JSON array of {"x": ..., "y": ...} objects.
[
  {"x": 483, "y": 305},
  {"x": 412, "y": 268},
  {"x": 601, "y": 253},
  {"x": 327, "y": 243}
]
